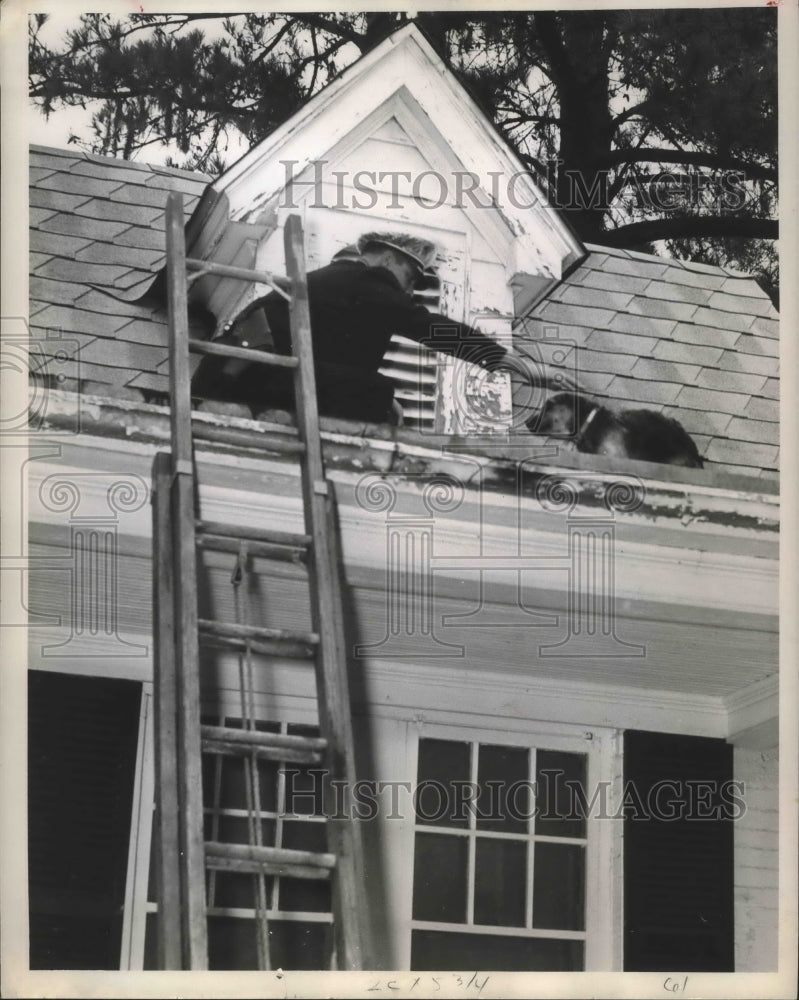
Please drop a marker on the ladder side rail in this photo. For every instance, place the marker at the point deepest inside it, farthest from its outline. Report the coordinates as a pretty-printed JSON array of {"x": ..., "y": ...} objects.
[
  {"x": 335, "y": 715},
  {"x": 166, "y": 833},
  {"x": 192, "y": 858}
]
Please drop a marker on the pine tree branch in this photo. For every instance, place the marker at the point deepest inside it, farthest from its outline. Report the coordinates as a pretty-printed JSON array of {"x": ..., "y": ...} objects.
[
  {"x": 648, "y": 154},
  {"x": 684, "y": 227}
]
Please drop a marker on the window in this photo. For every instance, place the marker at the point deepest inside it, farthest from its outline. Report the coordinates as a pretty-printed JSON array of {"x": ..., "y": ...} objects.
[
  {"x": 291, "y": 816},
  {"x": 499, "y": 870}
]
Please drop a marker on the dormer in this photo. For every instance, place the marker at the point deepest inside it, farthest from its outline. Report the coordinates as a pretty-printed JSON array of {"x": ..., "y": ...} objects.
[{"x": 394, "y": 144}]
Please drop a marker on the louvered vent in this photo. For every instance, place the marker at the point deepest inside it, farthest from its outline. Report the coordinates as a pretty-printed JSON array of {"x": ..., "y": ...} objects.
[{"x": 413, "y": 369}]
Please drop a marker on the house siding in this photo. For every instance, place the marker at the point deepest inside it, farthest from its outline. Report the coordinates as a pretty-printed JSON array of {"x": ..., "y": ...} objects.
[{"x": 756, "y": 863}]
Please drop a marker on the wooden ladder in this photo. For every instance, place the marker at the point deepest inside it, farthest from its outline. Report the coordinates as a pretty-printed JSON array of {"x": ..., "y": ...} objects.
[{"x": 182, "y": 854}]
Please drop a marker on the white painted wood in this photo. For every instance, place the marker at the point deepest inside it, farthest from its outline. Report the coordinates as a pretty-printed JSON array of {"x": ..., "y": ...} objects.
[
  {"x": 753, "y": 713},
  {"x": 135, "y": 912},
  {"x": 405, "y": 61}
]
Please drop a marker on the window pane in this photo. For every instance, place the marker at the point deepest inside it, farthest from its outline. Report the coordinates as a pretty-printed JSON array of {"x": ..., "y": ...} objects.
[
  {"x": 292, "y": 944},
  {"x": 231, "y": 943},
  {"x": 558, "y": 887},
  {"x": 295, "y": 945},
  {"x": 232, "y": 788},
  {"x": 236, "y": 830},
  {"x": 503, "y": 782},
  {"x": 308, "y": 895},
  {"x": 236, "y": 889},
  {"x": 439, "y": 802},
  {"x": 500, "y": 869},
  {"x": 439, "y": 878},
  {"x": 479, "y": 952},
  {"x": 558, "y": 806}
]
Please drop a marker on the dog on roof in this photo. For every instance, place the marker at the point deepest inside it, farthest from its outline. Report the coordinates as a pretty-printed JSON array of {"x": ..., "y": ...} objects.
[{"x": 640, "y": 434}]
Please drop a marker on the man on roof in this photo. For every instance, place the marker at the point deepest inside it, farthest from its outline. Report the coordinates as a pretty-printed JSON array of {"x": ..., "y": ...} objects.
[{"x": 357, "y": 301}]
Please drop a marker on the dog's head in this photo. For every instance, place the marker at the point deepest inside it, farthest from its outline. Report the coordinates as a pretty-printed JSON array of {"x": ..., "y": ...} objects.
[{"x": 562, "y": 415}]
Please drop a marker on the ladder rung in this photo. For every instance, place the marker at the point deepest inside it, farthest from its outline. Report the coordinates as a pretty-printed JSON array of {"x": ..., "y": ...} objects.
[
  {"x": 244, "y": 353},
  {"x": 269, "y": 641},
  {"x": 272, "y": 746},
  {"x": 269, "y": 860},
  {"x": 222, "y": 530},
  {"x": 223, "y": 543},
  {"x": 240, "y": 437},
  {"x": 279, "y": 281},
  {"x": 280, "y": 545}
]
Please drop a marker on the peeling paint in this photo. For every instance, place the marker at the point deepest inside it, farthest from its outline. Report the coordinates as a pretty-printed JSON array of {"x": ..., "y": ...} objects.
[{"x": 399, "y": 453}]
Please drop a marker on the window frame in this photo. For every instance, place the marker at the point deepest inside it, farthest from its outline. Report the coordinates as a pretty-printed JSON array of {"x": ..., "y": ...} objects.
[{"x": 602, "y": 937}]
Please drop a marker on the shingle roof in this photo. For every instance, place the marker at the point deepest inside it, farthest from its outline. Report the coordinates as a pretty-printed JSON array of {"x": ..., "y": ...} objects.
[
  {"x": 97, "y": 223},
  {"x": 693, "y": 341}
]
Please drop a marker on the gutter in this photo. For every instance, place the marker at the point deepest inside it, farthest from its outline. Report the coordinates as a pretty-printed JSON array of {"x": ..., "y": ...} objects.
[{"x": 510, "y": 468}]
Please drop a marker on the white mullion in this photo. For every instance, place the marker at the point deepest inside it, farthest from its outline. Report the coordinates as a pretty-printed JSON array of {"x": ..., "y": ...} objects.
[
  {"x": 280, "y": 808},
  {"x": 472, "y": 842},
  {"x": 528, "y": 881}
]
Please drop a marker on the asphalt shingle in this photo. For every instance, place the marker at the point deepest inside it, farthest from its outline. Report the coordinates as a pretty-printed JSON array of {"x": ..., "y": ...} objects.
[
  {"x": 56, "y": 200},
  {"x": 711, "y": 399},
  {"x": 740, "y": 321},
  {"x": 90, "y": 229},
  {"x": 628, "y": 283},
  {"x": 752, "y": 363},
  {"x": 763, "y": 409},
  {"x": 641, "y": 305},
  {"x": 608, "y": 340},
  {"x": 740, "y": 303},
  {"x": 695, "y": 354},
  {"x": 728, "y": 381},
  {"x": 633, "y": 390},
  {"x": 765, "y": 327},
  {"x": 704, "y": 422},
  {"x": 731, "y": 452},
  {"x": 124, "y": 354},
  {"x": 680, "y": 273},
  {"x": 64, "y": 269},
  {"x": 674, "y": 290},
  {"x": 118, "y": 211},
  {"x": 698, "y": 333},
  {"x": 53, "y": 159},
  {"x": 78, "y": 320},
  {"x": 75, "y": 184},
  {"x": 595, "y": 298},
  {"x": 644, "y": 326},
  {"x": 665, "y": 371},
  {"x": 746, "y": 429}
]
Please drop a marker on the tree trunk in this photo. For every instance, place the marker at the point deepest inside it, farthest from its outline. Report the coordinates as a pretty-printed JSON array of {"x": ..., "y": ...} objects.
[{"x": 577, "y": 51}]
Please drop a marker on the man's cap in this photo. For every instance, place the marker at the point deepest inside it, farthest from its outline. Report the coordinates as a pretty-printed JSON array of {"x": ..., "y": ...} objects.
[
  {"x": 421, "y": 252},
  {"x": 349, "y": 252}
]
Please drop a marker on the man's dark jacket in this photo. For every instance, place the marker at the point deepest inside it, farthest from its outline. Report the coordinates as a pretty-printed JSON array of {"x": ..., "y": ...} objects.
[{"x": 355, "y": 309}]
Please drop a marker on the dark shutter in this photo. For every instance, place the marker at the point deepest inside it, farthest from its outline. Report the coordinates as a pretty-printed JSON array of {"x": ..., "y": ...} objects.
[
  {"x": 82, "y": 734},
  {"x": 678, "y": 873}
]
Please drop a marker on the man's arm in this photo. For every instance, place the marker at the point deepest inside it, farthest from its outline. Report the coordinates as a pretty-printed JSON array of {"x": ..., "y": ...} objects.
[{"x": 432, "y": 330}]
